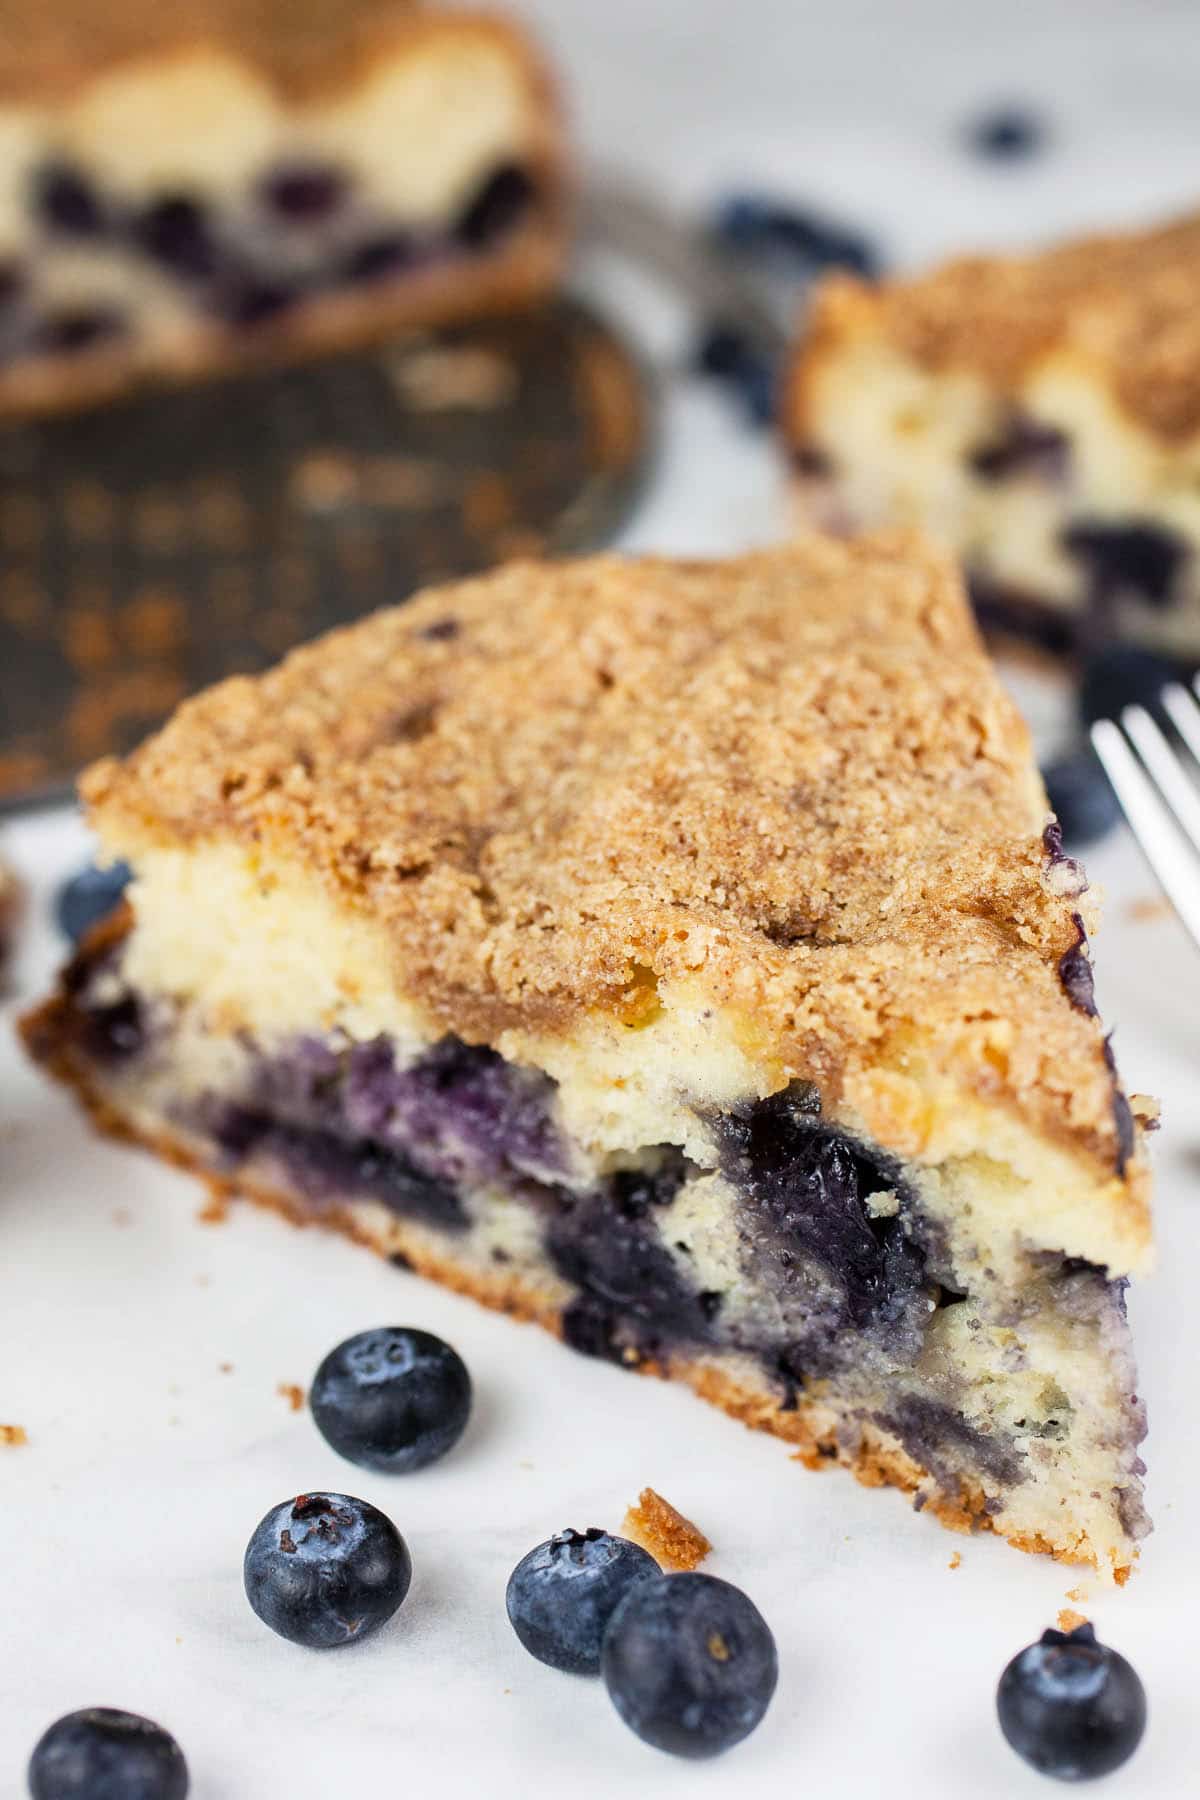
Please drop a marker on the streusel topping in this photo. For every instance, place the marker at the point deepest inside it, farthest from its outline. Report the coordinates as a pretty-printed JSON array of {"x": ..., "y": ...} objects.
[
  {"x": 49, "y": 51},
  {"x": 1125, "y": 304},
  {"x": 792, "y": 778}
]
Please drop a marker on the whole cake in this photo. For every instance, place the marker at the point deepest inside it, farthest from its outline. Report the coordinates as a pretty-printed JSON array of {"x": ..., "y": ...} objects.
[
  {"x": 183, "y": 188},
  {"x": 680, "y": 955},
  {"x": 1039, "y": 414}
]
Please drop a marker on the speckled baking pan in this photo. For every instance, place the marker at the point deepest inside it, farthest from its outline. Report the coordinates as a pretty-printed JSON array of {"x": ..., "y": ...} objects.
[{"x": 149, "y": 548}]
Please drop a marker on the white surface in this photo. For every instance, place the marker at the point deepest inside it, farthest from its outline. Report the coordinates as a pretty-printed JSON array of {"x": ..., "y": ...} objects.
[{"x": 147, "y": 1467}]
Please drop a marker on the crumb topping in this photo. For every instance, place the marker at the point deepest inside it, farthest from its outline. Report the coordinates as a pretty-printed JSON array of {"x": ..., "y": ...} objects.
[
  {"x": 792, "y": 778},
  {"x": 301, "y": 45},
  {"x": 1123, "y": 303},
  {"x": 671, "y": 1539}
]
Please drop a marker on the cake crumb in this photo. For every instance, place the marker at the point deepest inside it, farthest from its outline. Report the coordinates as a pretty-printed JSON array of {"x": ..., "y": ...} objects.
[
  {"x": 214, "y": 1211},
  {"x": 1077, "y": 1594},
  {"x": 1147, "y": 907},
  {"x": 225, "y": 1368},
  {"x": 13, "y": 1435},
  {"x": 294, "y": 1395},
  {"x": 121, "y": 1215},
  {"x": 672, "y": 1540},
  {"x": 1070, "y": 1620},
  {"x": 955, "y": 1561}
]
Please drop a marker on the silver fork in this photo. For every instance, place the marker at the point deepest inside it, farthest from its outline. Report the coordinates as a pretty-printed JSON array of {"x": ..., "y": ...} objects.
[{"x": 1158, "y": 795}]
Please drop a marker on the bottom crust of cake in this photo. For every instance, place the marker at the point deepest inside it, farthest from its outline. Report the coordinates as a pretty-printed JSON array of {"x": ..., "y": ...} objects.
[{"x": 813, "y": 1424}]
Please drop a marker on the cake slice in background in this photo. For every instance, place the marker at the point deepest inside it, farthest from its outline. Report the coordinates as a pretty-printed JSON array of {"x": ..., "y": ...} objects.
[
  {"x": 1039, "y": 414},
  {"x": 680, "y": 955},
  {"x": 185, "y": 187}
]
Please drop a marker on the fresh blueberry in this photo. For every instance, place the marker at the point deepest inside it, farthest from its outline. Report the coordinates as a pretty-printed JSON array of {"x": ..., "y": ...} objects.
[
  {"x": 728, "y": 355},
  {"x": 689, "y": 1663},
  {"x": 103, "y": 1754},
  {"x": 1007, "y": 134},
  {"x": 325, "y": 1569},
  {"x": 562, "y": 1595},
  {"x": 1071, "y": 1707},
  {"x": 757, "y": 225},
  {"x": 1121, "y": 675},
  {"x": 89, "y": 897},
  {"x": 67, "y": 201},
  {"x": 394, "y": 1399},
  {"x": 1081, "y": 797}
]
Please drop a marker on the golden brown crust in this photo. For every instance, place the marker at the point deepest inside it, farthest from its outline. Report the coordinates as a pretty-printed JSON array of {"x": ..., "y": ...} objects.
[
  {"x": 876, "y": 1461},
  {"x": 792, "y": 779},
  {"x": 524, "y": 269},
  {"x": 1122, "y": 306},
  {"x": 673, "y": 1541},
  {"x": 48, "y": 54}
]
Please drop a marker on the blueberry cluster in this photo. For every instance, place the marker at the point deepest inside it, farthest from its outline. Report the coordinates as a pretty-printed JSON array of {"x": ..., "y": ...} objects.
[{"x": 688, "y": 1661}]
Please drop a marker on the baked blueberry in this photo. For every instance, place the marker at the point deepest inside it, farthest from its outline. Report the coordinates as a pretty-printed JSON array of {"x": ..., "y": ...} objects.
[
  {"x": 689, "y": 1663},
  {"x": 303, "y": 193},
  {"x": 561, "y": 1596},
  {"x": 104, "y": 1754},
  {"x": 77, "y": 328},
  {"x": 326, "y": 1569},
  {"x": 1122, "y": 675},
  {"x": 1071, "y": 1707},
  {"x": 1007, "y": 134},
  {"x": 1081, "y": 797},
  {"x": 497, "y": 208},
  {"x": 393, "y": 1399},
  {"x": 67, "y": 201},
  {"x": 1138, "y": 559},
  {"x": 89, "y": 897},
  {"x": 175, "y": 231},
  {"x": 388, "y": 254},
  {"x": 251, "y": 302}
]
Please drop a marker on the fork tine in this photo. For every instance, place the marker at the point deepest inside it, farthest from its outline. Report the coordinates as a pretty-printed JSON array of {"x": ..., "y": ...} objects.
[
  {"x": 1152, "y": 823},
  {"x": 1165, "y": 767},
  {"x": 1185, "y": 715}
]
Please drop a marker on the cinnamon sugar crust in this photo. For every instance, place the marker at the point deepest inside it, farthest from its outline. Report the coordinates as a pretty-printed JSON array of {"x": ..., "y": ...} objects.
[
  {"x": 303, "y": 47},
  {"x": 1121, "y": 305},
  {"x": 790, "y": 779}
]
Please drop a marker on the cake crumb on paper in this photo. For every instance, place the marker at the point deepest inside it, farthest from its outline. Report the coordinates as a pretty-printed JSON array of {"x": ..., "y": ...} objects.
[
  {"x": 955, "y": 1561},
  {"x": 225, "y": 1368},
  {"x": 673, "y": 1541},
  {"x": 215, "y": 1210},
  {"x": 293, "y": 1394},
  {"x": 13, "y": 1435},
  {"x": 1077, "y": 1594},
  {"x": 1070, "y": 1620},
  {"x": 1145, "y": 908}
]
